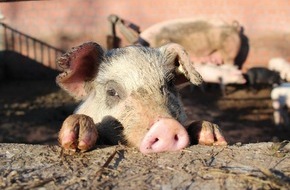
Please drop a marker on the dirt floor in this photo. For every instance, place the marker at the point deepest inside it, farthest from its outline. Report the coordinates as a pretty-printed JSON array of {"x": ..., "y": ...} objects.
[
  {"x": 250, "y": 166},
  {"x": 31, "y": 112}
]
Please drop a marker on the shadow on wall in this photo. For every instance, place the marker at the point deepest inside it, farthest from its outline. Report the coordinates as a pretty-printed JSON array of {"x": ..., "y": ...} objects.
[
  {"x": 18, "y": 67},
  {"x": 244, "y": 50}
]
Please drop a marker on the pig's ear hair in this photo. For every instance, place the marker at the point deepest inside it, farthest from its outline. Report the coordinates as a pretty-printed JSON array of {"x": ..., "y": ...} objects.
[
  {"x": 178, "y": 56},
  {"x": 80, "y": 66}
]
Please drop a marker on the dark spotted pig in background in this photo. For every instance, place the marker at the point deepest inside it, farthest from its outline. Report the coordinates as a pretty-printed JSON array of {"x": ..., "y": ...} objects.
[
  {"x": 129, "y": 96},
  {"x": 258, "y": 77}
]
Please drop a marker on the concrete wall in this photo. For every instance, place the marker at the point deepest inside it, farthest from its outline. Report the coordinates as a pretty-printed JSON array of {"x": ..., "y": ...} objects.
[{"x": 68, "y": 23}]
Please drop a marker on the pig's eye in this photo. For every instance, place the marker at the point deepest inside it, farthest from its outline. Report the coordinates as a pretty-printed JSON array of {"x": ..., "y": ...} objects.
[{"x": 112, "y": 92}]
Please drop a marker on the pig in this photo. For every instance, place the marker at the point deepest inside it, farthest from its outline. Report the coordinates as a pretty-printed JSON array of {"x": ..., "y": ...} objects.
[
  {"x": 206, "y": 40},
  {"x": 222, "y": 75},
  {"x": 281, "y": 66},
  {"x": 128, "y": 95},
  {"x": 258, "y": 77},
  {"x": 280, "y": 96}
]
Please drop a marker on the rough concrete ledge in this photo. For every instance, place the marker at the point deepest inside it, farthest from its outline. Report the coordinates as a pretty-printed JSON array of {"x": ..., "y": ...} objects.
[{"x": 249, "y": 166}]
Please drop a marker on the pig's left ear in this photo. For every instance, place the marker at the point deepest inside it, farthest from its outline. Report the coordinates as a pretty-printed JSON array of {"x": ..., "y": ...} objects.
[
  {"x": 80, "y": 66},
  {"x": 178, "y": 56}
]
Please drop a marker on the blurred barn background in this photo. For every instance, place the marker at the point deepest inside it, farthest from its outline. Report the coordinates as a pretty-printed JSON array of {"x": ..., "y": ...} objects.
[{"x": 67, "y": 23}]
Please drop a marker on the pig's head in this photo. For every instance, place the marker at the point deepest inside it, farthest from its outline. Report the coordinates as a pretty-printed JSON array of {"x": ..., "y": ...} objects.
[{"x": 131, "y": 88}]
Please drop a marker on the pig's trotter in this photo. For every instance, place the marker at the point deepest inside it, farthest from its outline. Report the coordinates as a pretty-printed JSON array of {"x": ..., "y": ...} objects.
[
  {"x": 205, "y": 133},
  {"x": 78, "y": 133}
]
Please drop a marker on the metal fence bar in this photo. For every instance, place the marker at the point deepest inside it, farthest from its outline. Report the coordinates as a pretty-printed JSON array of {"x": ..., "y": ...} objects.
[
  {"x": 27, "y": 45},
  {"x": 18, "y": 42},
  {"x": 6, "y": 38},
  {"x": 12, "y": 40}
]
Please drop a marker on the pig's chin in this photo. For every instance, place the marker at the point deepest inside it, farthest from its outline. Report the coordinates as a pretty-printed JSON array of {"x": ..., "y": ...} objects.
[{"x": 164, "y": 135}]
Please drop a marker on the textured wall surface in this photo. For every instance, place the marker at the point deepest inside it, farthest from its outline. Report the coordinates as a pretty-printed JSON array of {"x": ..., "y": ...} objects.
[{"x": 67, "y": 23}]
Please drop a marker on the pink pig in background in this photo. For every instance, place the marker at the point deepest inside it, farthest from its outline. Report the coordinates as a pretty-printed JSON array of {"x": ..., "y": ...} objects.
[{"x": 220, "y": 74}]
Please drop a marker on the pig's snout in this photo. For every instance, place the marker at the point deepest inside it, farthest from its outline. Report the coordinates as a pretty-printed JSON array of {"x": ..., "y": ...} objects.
[{"x": 166, "y": 134}]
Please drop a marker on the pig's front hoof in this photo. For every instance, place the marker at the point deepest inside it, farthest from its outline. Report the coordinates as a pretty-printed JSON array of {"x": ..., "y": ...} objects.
[
  {"x": 78, "y": 133},
  {"x": 205, "y": 133}
]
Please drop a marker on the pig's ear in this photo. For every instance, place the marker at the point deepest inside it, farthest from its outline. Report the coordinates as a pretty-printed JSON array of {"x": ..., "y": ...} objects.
[
  {"x": 178, "y": 56},
  {"x": 237, "y": 26},
  {"x": 80, "y": 66}
]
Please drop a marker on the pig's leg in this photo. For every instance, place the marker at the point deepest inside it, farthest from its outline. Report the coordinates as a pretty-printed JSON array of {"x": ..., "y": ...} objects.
[
  {"x": 222, "y": 86},
  {"x": 205, "y": 133},
  {"x": 216, "y": 58},
  {"x": 78, "y": 132},
  {"x": 277, "y": 114},
  {"x": 284, "y": 113},
  {"x": 277, "y": 118},
  {"x": 203, "y": 87}
]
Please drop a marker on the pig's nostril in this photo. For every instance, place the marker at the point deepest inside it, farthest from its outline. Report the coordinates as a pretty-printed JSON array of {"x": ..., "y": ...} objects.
[
  {"x": 156, "y": 139},
  {"x": 153, "y": 142},
  {"x": 176, "y": 137}
]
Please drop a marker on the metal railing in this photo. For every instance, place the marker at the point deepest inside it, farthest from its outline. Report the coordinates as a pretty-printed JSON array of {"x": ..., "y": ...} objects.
[{"x": 33, "y": 48}]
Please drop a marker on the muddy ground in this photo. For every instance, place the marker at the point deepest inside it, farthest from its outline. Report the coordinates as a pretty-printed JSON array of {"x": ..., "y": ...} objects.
[{"x": 31, "y": 112}]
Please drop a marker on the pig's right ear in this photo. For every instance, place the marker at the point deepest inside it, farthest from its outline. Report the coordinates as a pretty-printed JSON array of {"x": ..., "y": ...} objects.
[
  {"x": 178, "y": 56},
  {"x": 80, "y": 66}
]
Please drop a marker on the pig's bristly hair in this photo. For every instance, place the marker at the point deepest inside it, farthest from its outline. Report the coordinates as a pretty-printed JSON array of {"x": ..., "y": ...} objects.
[{"x": 139, "y": 62}]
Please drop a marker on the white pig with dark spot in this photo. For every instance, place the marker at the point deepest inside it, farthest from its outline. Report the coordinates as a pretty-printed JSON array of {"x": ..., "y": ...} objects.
[{"x": 129, "y": 96}]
